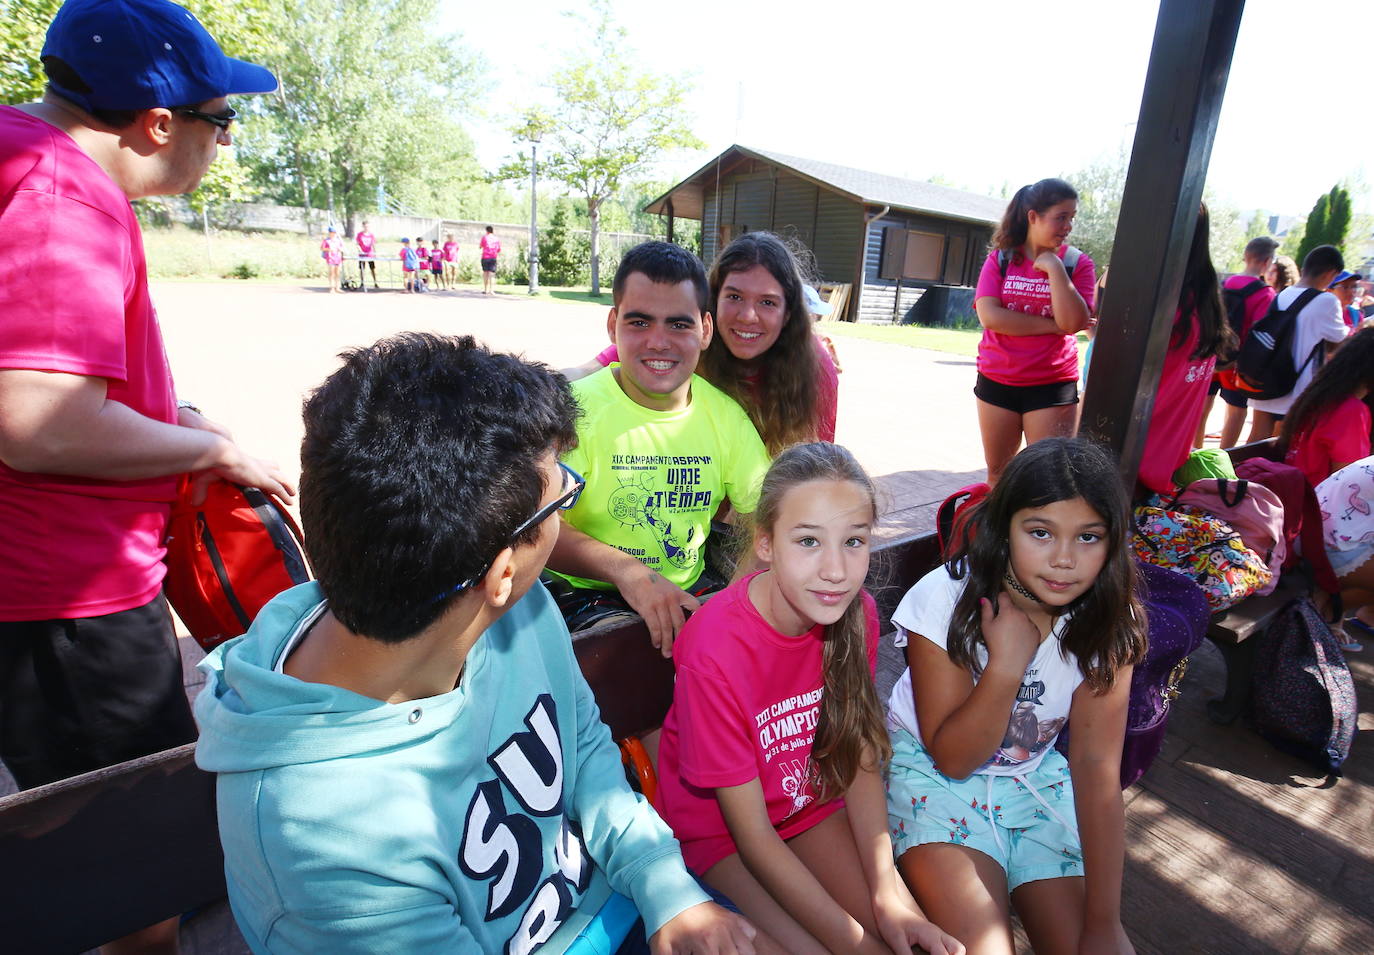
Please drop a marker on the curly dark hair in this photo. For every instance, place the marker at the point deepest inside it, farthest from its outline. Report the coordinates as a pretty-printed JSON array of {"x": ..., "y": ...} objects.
[
  {"x": 421, "y": 457},
  {"x": 1107, "y": 628}
]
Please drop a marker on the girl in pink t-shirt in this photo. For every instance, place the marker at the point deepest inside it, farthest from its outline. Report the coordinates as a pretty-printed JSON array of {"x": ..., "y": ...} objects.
[
  {"x": 331, "y": 250},
  {"x": 1031, "y": 305},
  {"x": 1201, "y": 333},
  {"x": 770, "y": 765},
  {"x": 1328, "y": 426},
  {"x": 450, "y": 260},
  {"x": 489, "y": 250}
]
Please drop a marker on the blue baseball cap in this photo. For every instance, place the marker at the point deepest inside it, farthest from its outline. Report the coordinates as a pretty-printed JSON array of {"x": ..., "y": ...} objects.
[
  {"x": 1345, "y": 277},
  {"x": 137, "y": 54}
]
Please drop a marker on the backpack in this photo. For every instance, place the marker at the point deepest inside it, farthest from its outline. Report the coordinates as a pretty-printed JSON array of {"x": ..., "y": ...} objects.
[
  {"x": 1203, "y": 548},
  {"x": 227, "y": 557},
  {"x": 1234, "y": 299},
  {"x": 1302, "y": 697},
  {"x": 951, "y": 520},
  {"x": 1302, "y": 518},
  {"x": 1265, "y": 363},
  {"x": 1252, "y": 509},
  {"x": 1176, "y": 615},
  {"x": 1071, "y": 257}
]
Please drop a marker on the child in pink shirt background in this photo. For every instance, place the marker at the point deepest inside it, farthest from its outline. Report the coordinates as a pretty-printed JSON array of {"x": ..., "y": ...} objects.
[
  {"x": 766, "y": 673},
  {"x": 450, "y": 260},
  {"x": 1030, "y": 312},
  {"x": 331, "y": 250}
]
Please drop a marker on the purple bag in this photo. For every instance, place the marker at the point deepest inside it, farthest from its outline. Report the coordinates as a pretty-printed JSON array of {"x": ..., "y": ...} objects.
[
  {"x": 1177, "y": 615},
  {"x": 1303, "y": 698}
]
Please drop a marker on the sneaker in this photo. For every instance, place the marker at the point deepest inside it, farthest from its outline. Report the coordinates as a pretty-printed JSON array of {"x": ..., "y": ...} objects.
[{"x": 1348, "y": 643}]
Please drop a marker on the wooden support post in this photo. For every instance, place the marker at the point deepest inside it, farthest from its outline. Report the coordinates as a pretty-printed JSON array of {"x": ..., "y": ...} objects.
[
  {"x": 670, "y": 219},
  {"x": 1189, "y": 65}
]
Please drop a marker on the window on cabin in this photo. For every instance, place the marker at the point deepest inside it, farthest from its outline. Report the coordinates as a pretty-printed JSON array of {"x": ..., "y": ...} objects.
[{"x": 914, "y": 254}]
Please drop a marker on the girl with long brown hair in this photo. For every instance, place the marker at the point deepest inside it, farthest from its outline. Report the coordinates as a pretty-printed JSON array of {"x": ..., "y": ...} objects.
[
  {"x": 770, "y": 765},
  {"x": 1034, "y": 294},
  {"x": 1034, "y": 622}
]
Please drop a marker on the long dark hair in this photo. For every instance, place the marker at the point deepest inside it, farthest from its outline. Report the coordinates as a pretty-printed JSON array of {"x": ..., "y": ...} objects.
[
  {"x": 783, "y": 404},
  {"x": 1350, "y": 368},
  {"x": 1107, "y": 628},
  {"x": 1200, "y": 297},
  {"x": 1038, "y": 196},
  {"x": 851, "y": 719}
]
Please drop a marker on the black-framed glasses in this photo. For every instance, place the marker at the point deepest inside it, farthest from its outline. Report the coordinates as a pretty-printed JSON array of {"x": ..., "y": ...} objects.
[
  {"x": 573, "y": 483},
  {"x": 222, "y": 120}
]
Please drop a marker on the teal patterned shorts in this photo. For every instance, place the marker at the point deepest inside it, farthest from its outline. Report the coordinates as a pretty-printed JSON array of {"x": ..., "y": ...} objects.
[{"x": 1025, "y": 823}]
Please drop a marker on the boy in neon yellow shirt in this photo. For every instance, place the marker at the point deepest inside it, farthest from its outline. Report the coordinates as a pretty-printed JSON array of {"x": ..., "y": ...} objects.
[{"x": 659, "y": 447}]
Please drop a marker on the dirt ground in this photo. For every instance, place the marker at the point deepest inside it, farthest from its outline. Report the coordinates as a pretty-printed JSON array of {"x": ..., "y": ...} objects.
[{"x": 248, "y": 353}]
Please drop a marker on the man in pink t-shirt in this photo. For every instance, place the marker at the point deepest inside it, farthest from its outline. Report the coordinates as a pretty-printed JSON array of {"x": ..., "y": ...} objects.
[
  {"x": 92, "y": 439},
  {"x": 489, "y": 251}
]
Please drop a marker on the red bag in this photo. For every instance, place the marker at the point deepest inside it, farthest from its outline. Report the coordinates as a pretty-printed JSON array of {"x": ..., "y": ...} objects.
[
  {"x": 951, "y": 520},
  {"x": 227, "y": 557},
  {"x": 1302, "y": 520}
]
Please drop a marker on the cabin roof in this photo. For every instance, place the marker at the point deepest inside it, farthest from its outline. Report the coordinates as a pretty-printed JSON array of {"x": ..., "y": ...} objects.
[{"x": 861, "y": 185}]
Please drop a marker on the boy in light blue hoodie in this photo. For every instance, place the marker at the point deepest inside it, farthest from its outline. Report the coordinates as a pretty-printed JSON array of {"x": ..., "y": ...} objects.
[{"x": 409, "y": 759}]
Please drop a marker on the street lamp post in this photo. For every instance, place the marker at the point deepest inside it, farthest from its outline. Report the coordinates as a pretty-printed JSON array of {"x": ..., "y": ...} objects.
[{"x": 534, "y": 213}]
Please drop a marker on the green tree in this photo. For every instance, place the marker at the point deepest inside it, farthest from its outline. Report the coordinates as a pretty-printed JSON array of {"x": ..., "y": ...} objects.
[
  {"x": 1258, "y": 225},
  {"x": 367, "y": 99},
  {"x": 612, "y": 120},
  {"x": 227, "y": 181},
  {"x": 562, "y": 257},
  {"x": 1315, "y": 229},
  {"x": 1226, "y": 241},
  {"x": 1099, "y": 185},
  {"x": 26, "y": 23},
  {"x": 1338, "y": 218}
]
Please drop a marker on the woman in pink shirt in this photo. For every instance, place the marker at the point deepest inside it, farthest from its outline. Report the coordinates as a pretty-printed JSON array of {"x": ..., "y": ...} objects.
[
  {"x": 489, "y": 251},
  {"x": 1034, "y": 295},
  {"x": 1201, "y": 332},
  {"x": 770, "y": 767},
  {"x": 1328, "y": 426}
]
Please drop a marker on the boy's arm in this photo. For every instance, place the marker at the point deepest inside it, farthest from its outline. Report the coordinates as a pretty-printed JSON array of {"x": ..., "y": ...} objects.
[{"x": 661, "y": 603}]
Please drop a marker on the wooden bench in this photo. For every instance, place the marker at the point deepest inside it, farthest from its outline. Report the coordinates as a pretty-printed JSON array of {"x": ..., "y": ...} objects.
[{"x": 95, "y": 857}]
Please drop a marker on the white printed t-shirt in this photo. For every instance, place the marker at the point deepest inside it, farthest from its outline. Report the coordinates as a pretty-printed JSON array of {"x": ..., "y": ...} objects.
[{"x": 1042, "y": 702}]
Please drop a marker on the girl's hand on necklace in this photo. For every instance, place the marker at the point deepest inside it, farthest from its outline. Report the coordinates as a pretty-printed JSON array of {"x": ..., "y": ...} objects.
[{"x": 1011, "y": 637}]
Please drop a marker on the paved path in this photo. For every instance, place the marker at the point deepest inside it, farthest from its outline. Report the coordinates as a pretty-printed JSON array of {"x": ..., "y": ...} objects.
[{"x": 248, "y": 354}]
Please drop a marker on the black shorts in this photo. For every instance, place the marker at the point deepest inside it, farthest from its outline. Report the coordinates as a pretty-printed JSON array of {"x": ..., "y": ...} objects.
[
  {"x": 437, "y": 269},
  {"x": 1236, "y": 399},
  {"x": 78, "y": 695},
  {"x": 1024, "y": 399},
  {"x": 488, "y": 265}
]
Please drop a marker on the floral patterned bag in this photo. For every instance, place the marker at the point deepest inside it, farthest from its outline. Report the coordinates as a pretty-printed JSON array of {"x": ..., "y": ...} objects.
[{"x": 1203, "y": 548}]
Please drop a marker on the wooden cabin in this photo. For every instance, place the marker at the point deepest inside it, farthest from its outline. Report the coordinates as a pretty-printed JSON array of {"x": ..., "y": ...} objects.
[{"x": 889, "y": 238}]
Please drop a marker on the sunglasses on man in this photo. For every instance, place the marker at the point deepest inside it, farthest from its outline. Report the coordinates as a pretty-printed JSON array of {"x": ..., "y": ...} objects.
[
  {"x": 222, "y": 120},
  {"x": 573, "y": 483}
]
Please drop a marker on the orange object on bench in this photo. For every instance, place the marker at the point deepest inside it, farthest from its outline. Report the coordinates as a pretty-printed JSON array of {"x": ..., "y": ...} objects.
[{"x": 634, "y": 755}]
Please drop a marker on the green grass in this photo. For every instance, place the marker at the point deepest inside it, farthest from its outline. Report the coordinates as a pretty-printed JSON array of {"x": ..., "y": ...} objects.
[{"x": 954, "y": 341}]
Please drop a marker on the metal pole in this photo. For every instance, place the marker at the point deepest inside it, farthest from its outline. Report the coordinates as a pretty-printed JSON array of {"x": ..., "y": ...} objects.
[{"x": 534, "y": 218}]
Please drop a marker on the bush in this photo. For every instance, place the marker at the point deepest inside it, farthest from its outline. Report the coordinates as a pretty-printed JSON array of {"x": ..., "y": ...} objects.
[
  {"x": 564, "y": 259},
  {"x": 244, "y": 270}
]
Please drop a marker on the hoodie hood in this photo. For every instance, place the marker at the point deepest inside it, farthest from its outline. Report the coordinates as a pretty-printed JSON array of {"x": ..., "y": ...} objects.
[{"x": 253, "y": 717}]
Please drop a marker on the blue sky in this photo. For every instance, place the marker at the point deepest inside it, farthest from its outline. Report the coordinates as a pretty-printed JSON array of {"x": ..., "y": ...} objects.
[{"x": 982, "y": 94}]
